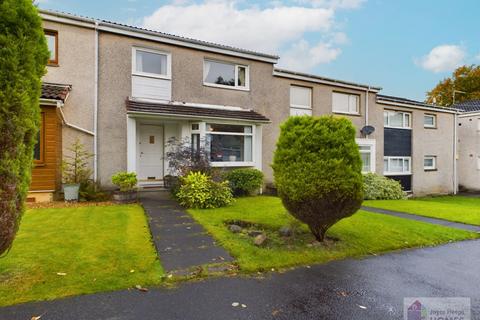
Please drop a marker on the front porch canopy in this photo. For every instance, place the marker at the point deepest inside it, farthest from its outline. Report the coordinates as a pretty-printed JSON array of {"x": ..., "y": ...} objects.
[{"x": 232, "y": 136}]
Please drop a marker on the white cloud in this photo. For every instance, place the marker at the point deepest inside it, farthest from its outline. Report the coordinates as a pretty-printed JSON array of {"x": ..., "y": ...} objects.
[
  {"x": 275, "y": 28},
  {"x": 443, "y": 58},
  {"x": 302, "y": 57}
]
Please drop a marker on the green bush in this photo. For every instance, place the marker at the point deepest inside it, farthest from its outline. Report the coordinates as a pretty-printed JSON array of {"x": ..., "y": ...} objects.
[
  {"x": 197, "y": 190},
  {"x": 378, "y": 187},
  {"x": 126, "y": 181},
  {"x": 317, "y": 170},
  {"x": 23, "y": 56},
  {"x": 244, "y": 181}
]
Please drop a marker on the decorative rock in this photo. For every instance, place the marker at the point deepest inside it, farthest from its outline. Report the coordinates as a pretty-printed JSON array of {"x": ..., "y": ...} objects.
[
  {"x": 260, "y": 239},
  {"x": 235, "y": 228},
  {"x": 254, "y": 233},
  {"x": 285, "y": 231}
]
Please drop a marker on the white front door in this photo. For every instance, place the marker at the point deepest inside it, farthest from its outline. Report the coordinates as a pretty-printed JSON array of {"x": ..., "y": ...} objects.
[{"x": 150, "y": 152}]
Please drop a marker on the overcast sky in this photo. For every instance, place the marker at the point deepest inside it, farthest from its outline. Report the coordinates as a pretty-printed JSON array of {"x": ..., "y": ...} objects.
[{"x": 404, "y": 46}]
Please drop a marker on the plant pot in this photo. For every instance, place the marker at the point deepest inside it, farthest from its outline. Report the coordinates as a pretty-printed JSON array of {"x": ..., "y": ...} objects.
[
  {"x": 125, "y": 196},
  {"x": 70, "y": 191}
]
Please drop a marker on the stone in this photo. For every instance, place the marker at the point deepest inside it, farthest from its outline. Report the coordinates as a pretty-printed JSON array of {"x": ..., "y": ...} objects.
[
  {"x": 285, "y": 231},
  {"x": 235, "y": 228},
  {"x": 260, "y": 239},
  {"x": 254, "y": 233}
]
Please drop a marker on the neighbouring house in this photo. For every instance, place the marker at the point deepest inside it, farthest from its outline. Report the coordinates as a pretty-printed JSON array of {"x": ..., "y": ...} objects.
[
  {"x": 469, "y": 145},
  {"x": 127, "y": 91}
]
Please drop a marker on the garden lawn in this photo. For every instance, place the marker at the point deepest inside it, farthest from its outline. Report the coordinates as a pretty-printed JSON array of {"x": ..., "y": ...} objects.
[
  {"x": 362, "y": 234},
  {"x": 69, "y": 251},
  {"x": 451, "y": 208}
]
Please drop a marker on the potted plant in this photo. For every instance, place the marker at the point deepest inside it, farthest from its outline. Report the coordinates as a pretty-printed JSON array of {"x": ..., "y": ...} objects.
[
  {"x": 75, "y": 170},
  {"x": 127, "y": 183}
]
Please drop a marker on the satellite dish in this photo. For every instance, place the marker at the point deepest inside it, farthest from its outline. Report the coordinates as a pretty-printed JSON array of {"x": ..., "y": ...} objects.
[{"x": 367, "y": 130}]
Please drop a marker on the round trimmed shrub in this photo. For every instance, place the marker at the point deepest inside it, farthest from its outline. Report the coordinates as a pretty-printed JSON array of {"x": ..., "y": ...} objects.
[
  {"x": 197, "y": 190},
  {"x": 244, "y": 181},
  {"x": 317, "y": 170},
  {"x": 378, "y": 187}
]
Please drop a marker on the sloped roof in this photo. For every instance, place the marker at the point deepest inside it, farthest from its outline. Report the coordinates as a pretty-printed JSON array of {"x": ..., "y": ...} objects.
[
  {"x": 55, "y": 91},
  {"x": 468, "y": 106},
  {"x": 190, "y": 111},
  {"x": 127, "y": 27},
  {"x": 383, "y": 98}
]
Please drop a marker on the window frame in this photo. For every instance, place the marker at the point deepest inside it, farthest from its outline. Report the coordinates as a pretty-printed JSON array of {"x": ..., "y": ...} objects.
[
  {"x": 434, "y": 117},
  {"x": 167, "y": 76},
  {"x": 371, "y": 143},
  {"x": 304, "y": 110},
  {"x": 53, "y": 33},
  {"x": 430, "y": 168},
  {"x": 357, "y": 96},
  {"x": 244, "y": 134},
  {"x": 404, "y": 115},
  {"x": 223, "y": 86},
  {"x": 396, "y": 173},
  {"x": 41, "y": 161}
]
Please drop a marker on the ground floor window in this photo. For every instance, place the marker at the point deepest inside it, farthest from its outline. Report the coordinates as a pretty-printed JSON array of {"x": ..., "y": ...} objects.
[
  {"x": 229, "y": 143},
  {"x": 430, "y": 163},
  {"x": 397, "y": 165},
  {"x": 367, "y": 153}
]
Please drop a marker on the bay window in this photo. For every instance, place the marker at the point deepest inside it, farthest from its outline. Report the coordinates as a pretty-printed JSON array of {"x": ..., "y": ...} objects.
[
  {"x": 224, "y": 74},
  {"x": 229, "y": 143}
]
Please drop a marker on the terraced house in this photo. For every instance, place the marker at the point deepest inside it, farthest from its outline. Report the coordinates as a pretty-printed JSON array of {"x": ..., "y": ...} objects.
[{"x": 126, "y": 91}]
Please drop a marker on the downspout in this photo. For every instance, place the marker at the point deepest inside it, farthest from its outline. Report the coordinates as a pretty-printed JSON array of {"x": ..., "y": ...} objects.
[
  {"x": 366, "y": 105},
  {"x": 95, "y": 108},
  {"x": 65, "y": 122},
  {"x": 455, "y": 176}
]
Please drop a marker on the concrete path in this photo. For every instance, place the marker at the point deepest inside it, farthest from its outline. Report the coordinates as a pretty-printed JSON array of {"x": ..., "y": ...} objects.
[
  {"x": 181, "y": 242},
  {"x": 415, "y": 217},
  {"x": 372, "y": 288}
]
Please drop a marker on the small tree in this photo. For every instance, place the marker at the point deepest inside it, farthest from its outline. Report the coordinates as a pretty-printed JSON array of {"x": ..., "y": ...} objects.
[
  {"x": 182, "y": 158},
  {"x": 75, "y": 167},
  {"x": 317, "y": 170},
  {"x": 23, "y": 56}
]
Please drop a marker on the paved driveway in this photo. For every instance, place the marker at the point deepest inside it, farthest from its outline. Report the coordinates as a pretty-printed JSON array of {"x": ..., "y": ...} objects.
[{"x": 371, "y": 288}]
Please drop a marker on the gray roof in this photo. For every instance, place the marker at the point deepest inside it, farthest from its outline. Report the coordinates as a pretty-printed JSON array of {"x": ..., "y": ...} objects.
[
  {"x": 313, "y": 76},
  {"x": 171, "y": 109},
  {"x": 156, "y": 33},
  {"x": 381, "y": 97},
  {"x": 468, "y": 106}
]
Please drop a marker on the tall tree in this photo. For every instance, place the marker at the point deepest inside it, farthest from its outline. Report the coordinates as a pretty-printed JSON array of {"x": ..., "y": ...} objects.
[
  {"x": 23, "y": 56},
  {"x": 465, "y": 81}
]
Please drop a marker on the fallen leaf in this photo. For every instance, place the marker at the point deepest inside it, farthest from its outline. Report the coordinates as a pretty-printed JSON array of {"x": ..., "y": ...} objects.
[
  {"x": 132, "y": 271},
  {"x": 61, "y": 274},
  {"x": 140, "y": 288},
  {"x": 235, "y": 304},
  {"x": 37, "y": 317},
  {"x": 169, "y": 276},
  {"x": 362, "y": 307},
  {"x": 244, "y": 305}
]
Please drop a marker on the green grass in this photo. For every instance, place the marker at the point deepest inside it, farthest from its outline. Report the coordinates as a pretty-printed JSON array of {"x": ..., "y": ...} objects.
[
  {"x": 362, "y": 234},
  {"x": 451, "y": 208},
  {"x": 96, "y": 247}
]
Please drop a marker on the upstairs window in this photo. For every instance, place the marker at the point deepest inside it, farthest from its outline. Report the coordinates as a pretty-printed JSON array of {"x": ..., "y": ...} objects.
[
  {"x": 430, "y": 121},
  {"x": 151, "y": 63},
  {"x": 224, "y": 74},
  {"x": 52, "y": 43},
  {"x": 300, "y": 101},
  {"x": 396, "y": 119},
  {"x": 345, "y": 103}
]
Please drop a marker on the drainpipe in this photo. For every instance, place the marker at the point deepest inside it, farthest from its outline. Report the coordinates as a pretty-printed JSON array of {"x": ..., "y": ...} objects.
[
  {"x": 455, "y": 177},
  {"x": 65, "y": 122},
  {"x": 366, "y": 105},
  {"x": 95, "y": 108}
]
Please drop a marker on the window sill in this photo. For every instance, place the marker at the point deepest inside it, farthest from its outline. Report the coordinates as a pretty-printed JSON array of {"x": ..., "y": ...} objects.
[
  {"x": 427, "y": 170},
  {"x": 425, "y": 127},
  {"x": 232, "y": 164},
  {"x": 402, "y": 128},
  {"x": 53, "y": 64},
  {"x": 397, "y": 173},
  {"x": 213, "y": 85},
  {"x": 39, "y": 164},
  {"x": 348, "y": 113}
]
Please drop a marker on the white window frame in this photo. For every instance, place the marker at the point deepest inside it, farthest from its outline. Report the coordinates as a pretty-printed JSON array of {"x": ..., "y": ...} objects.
[
  {"x": 356, "y": 112},
  {"x": 303, "y": 109},
  {"x": 434, "y": 161},
  {"x": 167, "y": 76},
  {"x": 434, "y": 117},
  {"x": 372, "y": 144},
  {"x": 236, "y": 86},
  {"x": 404, "y": 116},
  {"x": 394, "y": 173},
  {"x": 233, "y": 163}
]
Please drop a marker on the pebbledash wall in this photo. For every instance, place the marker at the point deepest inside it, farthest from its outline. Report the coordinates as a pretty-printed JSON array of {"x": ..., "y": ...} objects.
[{"x": 269, "y": 94}]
